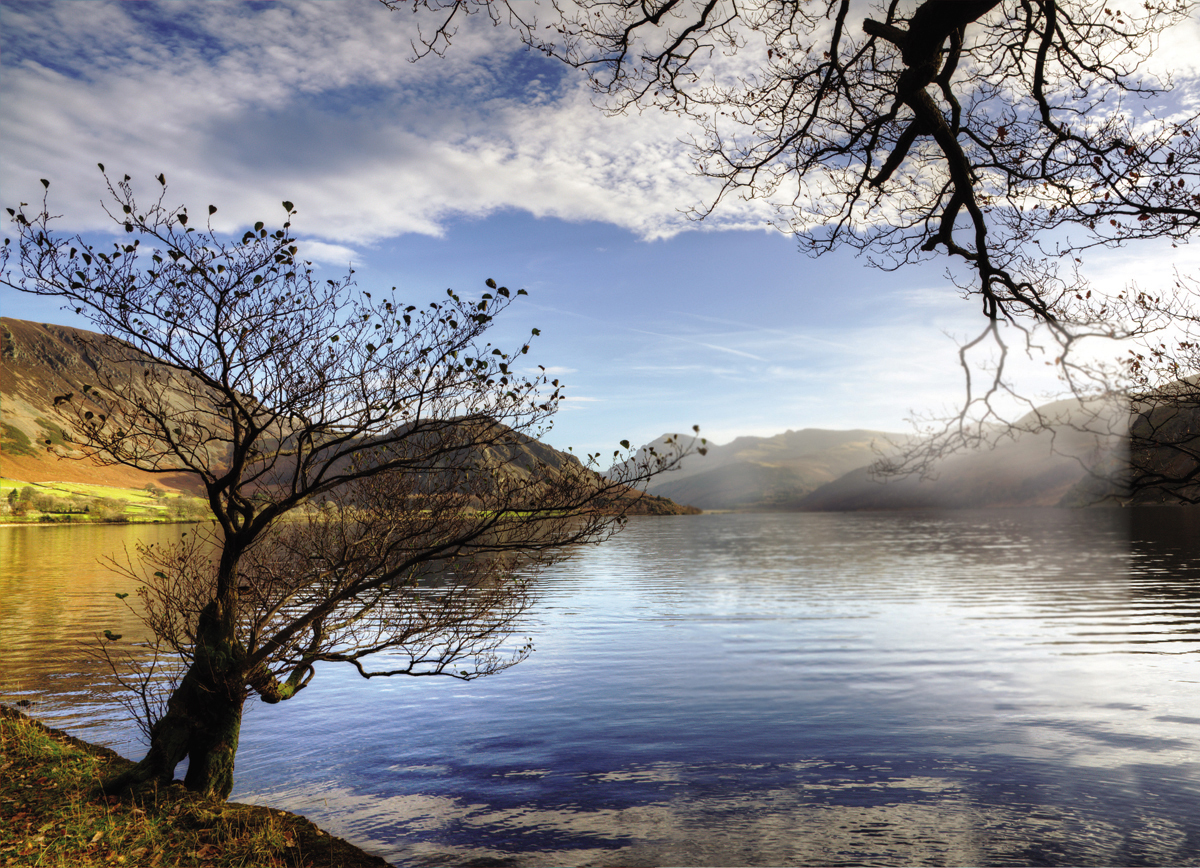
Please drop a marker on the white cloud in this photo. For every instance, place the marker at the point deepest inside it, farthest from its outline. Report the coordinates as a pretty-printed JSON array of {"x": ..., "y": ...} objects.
[
  {"x": 243, "y": 106},
  {"x": 334, "y": 254},
  {"x": 1175, "y": 53}
]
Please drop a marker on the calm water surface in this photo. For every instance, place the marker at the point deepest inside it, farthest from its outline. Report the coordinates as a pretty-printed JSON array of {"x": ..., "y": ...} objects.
[{"x": 1001, "y": 688}]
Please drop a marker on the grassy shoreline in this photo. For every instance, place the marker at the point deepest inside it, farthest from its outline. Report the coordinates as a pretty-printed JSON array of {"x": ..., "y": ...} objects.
[
  {"x": 10, "y": 521},
  {"x": 53, "y": 814},
  {"x": 24, "y": 503}
]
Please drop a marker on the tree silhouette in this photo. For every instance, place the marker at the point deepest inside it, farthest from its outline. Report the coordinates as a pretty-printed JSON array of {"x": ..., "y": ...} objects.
[
  {"x": 372, "y": 466},
  {"x": 1004, "y": 137}
]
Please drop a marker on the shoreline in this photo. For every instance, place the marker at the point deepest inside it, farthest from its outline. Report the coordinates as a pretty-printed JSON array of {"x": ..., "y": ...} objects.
[
  {"x": 186, "y": 825},
  {"x": 97, "y": 523}
]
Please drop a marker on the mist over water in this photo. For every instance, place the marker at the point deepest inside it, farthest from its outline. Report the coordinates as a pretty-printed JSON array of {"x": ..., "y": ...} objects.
[{"x": 1001, "y": 687}]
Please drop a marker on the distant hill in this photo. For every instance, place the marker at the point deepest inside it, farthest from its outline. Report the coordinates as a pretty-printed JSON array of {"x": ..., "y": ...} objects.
[
  {"x": 1045, "y": 469},
  {"x": 768, "y": 473},
  {"x": 1021, "y": 473},
  {"x": 821, "y": 470},
  {"x": 1066, "y": 466},
  {"x": 39, "y": 361},
  {"x": 1160, "y": 462}
]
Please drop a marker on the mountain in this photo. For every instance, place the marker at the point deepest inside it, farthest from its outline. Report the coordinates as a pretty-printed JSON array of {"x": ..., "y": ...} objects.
[
  {"x": 820, "y": 470},
  {"x": 41, "y": 361},
  {"x": 37, "y": 362},
  {"x": 1050, "y": 468},
  {"x": 767, "y": 473},
  {"x": 1016, "y": 474}
]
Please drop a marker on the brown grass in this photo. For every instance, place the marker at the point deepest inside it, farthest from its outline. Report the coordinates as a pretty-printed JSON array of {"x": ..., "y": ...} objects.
[{"x": 53, "y": 814}]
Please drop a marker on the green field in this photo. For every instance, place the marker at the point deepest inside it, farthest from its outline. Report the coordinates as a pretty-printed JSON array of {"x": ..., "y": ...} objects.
[{"x": 54, "y": 502}]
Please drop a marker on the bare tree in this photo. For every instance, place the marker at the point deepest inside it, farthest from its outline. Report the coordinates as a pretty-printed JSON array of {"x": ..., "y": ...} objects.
[
  {"x": 1163, "y": 463},
  {"x": 371, "y": 465},
  {"x": 1006, "y": 136}
]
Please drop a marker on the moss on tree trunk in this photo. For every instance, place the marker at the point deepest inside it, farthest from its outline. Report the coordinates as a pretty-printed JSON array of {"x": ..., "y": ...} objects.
[{"x": 203, "y": 719}]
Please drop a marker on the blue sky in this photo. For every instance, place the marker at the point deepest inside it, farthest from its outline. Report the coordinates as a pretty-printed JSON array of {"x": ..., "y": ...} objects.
[{"x": 490, "y": 162}]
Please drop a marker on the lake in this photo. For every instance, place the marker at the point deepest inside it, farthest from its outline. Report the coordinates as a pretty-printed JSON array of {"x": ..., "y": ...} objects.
[{"x": 993, "y": 688}]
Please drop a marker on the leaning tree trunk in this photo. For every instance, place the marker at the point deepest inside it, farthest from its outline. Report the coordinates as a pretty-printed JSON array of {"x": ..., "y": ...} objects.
[{"x": 203, "y": 719}]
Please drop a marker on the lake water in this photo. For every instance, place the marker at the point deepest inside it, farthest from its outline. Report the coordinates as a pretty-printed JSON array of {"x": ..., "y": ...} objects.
[{"x": 989, "y": 688}]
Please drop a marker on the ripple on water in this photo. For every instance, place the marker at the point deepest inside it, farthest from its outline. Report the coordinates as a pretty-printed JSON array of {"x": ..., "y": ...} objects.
[{"x": 932, "y": 688}]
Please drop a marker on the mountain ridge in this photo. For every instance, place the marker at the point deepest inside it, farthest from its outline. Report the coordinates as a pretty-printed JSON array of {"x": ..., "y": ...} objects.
[
  {"x": 818, "y": 470},
  {"x": 768, "y": 473},
  {"x": 39, "y": 361}
]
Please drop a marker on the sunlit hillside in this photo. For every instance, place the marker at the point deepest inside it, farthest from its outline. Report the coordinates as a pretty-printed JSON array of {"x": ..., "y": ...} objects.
[
  {"x": 41, "y": 362},
  {"x": 38, "y": 362}
]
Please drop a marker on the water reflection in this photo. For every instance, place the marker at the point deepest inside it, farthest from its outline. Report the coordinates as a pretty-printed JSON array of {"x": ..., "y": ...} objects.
[
  {"x": 933, "y": 688},
  {"x": 57, "y": 592}
]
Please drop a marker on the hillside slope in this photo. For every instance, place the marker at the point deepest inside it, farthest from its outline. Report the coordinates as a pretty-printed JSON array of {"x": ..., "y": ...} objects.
[
  {"x": 39, "y": 361},
  {"x": 821, "y": 470},
  {"x": 1050, "y": 468},
  {"x": 768, "y": 473}
]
